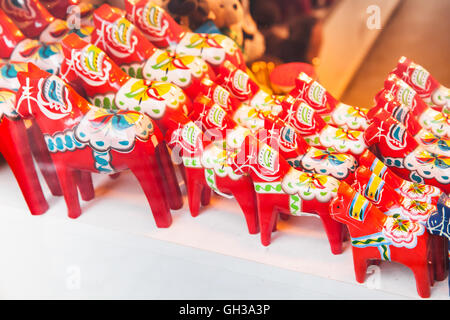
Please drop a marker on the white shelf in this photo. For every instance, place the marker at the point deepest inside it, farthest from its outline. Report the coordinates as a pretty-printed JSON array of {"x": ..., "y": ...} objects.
[{"x": 114, "y": 250}]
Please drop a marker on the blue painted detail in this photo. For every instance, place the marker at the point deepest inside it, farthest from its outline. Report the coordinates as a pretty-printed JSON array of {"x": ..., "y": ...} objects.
[
  {"x": 62, "y": 142},
  {"x": 416, "y": 177},
  {"x": 102, "y": 161}
]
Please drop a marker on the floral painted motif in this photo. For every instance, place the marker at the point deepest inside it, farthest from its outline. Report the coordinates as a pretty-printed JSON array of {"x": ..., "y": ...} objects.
[
  {"x": 7, "y": 104},
  {"x": 432, "y": 143},
  {"x": 266, "y": 103},
  {"x": 418, "y": 191},
  {"x": 166, "y": 66},
  {"x": 428, "y": 165},
  {"x": 47, "y": 57},
  {"x": 212, "y": 48},
  {"x": 104, "y": 130},
  {"x": 310, "y": 185},
  {"x": 249, "y": 117},
  {"x": 338, "y": 165},
  {"x": 436, "y": 122},
  {"x": 8, "y": 74},
  {"x": 402, "y": 232},
  {"x": 150, "y": 97},
  {"x": 342, "y": 140},
  {"x": 215, "y": 158},
  {"x": 417, "y": 211},
  {"x": 352, "y": 117}
]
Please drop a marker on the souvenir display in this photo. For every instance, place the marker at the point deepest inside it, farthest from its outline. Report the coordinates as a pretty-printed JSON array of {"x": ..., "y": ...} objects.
[{"x": 87, "y": 90}]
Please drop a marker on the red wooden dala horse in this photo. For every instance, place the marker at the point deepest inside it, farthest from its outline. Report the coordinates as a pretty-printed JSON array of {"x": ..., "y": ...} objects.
[
  {"x": 283, "y": 189},
  {"x": 375, "y": 236},
  {"x": 389, "y": 201},
  {"x": 82, "y": 138},
  {"x": 111, "y": 88}
]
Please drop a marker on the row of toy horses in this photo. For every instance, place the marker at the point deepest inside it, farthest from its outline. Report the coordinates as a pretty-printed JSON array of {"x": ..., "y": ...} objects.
[{"x": 294, "y": 155}]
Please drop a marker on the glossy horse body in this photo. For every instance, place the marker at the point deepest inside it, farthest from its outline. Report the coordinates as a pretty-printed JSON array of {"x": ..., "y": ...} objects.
[
  {"x": 205, "y": 153},
  {"x": 111, "y": 88},
  {"x": 413, "y": 190},
  {"x": 281, "y": 189},
  {"x": 317, "y": 132},
  {"x": 375, "y": 236},
  {"x": 391, "y": 202},
  {"x": 82, "y": 138}
]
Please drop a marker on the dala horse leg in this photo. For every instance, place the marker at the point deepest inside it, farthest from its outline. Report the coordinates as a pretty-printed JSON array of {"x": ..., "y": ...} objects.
[
  {"x": 333, "y": 229},
  {"x": 68, "y": 184},
  {"x": 170, "y": 181},
  {"x": 195, "y": 178},
  {"x": 15, "y": 149},
  {"x": 361, "y": 256},
  {"x": 421, "y": 270},
  {"x": 206, "y": 196},
  {"x": 244, "y": 193},
  {"x": 43, "y": 159},
  {"x": 149, "y": 177},
  {"x": 439, "y": 257},
  {"x": 268, "y": 213},
  {"x": 419, "y": 260},
  {"x": 85, "y": 186}
]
